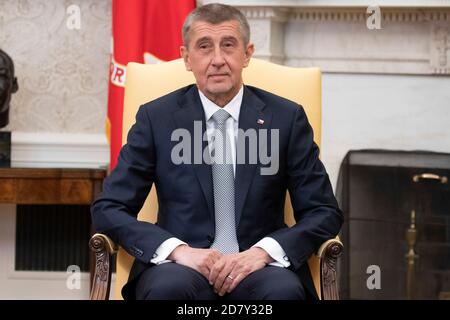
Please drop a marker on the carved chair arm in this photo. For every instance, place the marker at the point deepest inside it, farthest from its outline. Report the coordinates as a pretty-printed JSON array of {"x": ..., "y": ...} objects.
[
  {"x": 104, "y": 249},
  {"x": 328, "y": 254}
]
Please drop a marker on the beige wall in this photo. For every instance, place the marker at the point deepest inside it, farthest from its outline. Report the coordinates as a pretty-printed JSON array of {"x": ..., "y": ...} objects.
[{"x": 62, "y": 73}]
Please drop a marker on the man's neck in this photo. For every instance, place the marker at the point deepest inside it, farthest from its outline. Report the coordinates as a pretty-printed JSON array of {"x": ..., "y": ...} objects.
[{"x": 222, "y": 99}]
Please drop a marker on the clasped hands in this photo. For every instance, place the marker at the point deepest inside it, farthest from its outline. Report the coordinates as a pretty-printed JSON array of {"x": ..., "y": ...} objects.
[{"x": 223, "y": 271}]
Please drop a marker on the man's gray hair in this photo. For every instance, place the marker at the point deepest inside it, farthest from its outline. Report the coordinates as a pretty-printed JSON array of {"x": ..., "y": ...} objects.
[{"x": 215, "y": 13}]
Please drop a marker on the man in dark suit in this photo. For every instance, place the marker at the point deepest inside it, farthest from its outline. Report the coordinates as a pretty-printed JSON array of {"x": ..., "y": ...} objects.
[{"x": 220, "y": 229}]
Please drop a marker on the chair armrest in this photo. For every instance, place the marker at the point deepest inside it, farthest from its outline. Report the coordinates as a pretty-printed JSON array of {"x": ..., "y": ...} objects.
[
  {"x": 328, "y": 254},
  {"x": 104, "y": 249}
]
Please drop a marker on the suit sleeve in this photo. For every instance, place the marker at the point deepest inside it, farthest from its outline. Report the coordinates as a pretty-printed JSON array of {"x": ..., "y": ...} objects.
[
  {"x": 115, "y": 211},
  {"x": 318, "y": 217}
]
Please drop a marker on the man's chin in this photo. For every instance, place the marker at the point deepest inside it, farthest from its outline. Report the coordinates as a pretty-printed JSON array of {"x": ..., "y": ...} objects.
[{"x": 219, "y": 89}]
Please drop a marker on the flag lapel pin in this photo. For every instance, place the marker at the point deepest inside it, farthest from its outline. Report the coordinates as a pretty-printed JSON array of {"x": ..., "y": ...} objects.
[{"x": 260, "y": 121}]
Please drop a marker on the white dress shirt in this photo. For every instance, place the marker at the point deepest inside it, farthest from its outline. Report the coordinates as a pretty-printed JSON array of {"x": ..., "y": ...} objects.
[{"x": 270, "y": 245}]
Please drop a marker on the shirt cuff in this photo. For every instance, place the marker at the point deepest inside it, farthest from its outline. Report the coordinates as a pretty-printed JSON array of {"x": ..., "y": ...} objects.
[
  {"x": 273, "y": 249},
  {"x": 165, "y": 249}
]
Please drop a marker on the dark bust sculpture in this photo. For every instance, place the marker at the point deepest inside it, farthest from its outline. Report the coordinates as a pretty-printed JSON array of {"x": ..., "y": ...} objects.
[{"x": 8, "y": 86}]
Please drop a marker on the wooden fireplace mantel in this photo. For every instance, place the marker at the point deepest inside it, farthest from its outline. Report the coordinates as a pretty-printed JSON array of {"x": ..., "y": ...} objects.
[{"x": 50, "y": 185}]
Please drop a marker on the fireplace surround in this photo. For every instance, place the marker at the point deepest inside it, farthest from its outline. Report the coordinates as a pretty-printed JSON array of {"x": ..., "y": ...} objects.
[{"x": 397, "y": 220}]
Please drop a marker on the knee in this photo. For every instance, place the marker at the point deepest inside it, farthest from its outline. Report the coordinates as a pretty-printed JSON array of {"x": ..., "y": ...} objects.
[
  {"x": 281, "y": 285},
  {"x": 285, "y": 291},
  {"x": 168, "y": 289},
  {"x": 171, "y": 281}
]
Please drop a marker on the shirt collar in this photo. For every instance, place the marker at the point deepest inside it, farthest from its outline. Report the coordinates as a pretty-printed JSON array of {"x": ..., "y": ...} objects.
[{"x": 233, "y": 107}]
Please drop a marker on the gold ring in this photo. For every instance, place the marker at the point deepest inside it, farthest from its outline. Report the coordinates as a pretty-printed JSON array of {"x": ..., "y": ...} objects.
[{"x": 228, "y": 276}]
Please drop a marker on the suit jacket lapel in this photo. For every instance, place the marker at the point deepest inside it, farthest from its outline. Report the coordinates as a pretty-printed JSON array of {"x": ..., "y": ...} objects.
[
  {"x": 252, "y": 112},
  {"x": 191, "y": 110}
]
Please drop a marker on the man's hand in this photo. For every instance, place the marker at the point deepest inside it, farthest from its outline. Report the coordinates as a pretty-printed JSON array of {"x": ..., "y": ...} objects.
[
  {"x": 201, "y": 260},
  {"x": 231, "y": 269}
]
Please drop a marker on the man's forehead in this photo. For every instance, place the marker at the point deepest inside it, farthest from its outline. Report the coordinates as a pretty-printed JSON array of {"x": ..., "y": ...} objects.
[{"x": 226, "y": 28}]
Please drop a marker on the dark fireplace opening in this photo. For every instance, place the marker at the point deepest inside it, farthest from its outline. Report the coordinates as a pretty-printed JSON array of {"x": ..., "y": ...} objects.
[
  {"x": 397, "y": 225},
  {"x": 52, "y": 237}
]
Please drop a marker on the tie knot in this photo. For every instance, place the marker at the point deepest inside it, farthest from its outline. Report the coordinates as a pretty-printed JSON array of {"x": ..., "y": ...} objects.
[{"x": 220, "y": 116}]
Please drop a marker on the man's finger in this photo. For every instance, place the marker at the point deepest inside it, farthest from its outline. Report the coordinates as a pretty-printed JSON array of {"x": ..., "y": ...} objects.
[
  {"x": 226, "y": 284},
  {"x": 204, "y": 271},
  {"x": 215, "y": 270},
  {"x": 236, "y": 281},
  {"x": 220, "y": 280},
  {"x": 209, "y": 263},
  {"x": 222, "y": 276}
]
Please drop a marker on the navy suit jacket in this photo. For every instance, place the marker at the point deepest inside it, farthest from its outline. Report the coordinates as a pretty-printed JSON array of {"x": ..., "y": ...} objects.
[{"x": 185, "y": 191}]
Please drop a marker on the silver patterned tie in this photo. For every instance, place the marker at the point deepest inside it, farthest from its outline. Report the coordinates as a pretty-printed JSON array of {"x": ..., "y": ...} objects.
[{"x": 223, "y": 184}]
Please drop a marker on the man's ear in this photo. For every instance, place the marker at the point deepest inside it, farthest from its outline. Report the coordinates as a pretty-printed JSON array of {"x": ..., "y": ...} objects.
[
  {"x": 248, "y": 54},
  {"x": 15, "y": 86},
  {"x": 185, "y": 55}
]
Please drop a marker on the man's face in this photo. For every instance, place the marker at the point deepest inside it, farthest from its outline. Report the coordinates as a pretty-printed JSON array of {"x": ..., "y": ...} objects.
[{"x": 216, "y": 55}]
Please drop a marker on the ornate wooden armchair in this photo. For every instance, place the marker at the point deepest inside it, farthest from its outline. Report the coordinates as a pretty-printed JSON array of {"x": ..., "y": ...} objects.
[
  {"x": 322, "y": 264},
  {"x": 148, "y": 82}
]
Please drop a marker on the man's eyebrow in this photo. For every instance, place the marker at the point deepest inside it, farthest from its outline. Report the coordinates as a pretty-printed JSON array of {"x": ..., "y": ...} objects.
[
  {"x": 205, "y": 38},
  {"x": 228, "y": 38}
]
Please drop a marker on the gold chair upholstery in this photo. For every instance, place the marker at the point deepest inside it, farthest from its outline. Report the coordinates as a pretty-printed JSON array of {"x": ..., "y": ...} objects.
[{"x": 148, "y": 82}]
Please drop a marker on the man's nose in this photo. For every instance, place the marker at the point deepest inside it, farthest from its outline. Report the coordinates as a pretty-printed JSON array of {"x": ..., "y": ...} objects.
[{"x": 218, "y": 59}]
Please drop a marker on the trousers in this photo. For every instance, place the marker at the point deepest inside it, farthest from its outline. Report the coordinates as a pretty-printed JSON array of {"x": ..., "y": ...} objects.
[{"x": 172, "y": 281}]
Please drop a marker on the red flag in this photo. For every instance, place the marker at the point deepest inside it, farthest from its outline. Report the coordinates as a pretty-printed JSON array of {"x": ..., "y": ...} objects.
[{"x": 143, "y": 31}]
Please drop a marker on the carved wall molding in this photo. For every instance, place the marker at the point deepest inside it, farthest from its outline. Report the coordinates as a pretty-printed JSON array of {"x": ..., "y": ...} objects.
[
  {"x": 275, "y": 14},
  {"x": 410, "y": 41},
  {"x": 359, "y": 14},
  {"x": 440, "y": 50}
]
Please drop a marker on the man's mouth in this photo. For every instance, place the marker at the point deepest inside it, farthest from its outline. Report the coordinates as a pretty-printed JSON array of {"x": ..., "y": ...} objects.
[{"x": 218, "y": 75}]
